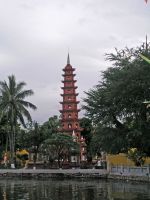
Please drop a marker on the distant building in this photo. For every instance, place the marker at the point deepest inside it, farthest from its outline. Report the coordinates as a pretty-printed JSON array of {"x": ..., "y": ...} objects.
[{"x": 69, "y": 112}]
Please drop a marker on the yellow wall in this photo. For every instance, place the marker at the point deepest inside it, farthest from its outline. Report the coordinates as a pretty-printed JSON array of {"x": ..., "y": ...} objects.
[
  {"x": 121, "y": 159},
  {"x": 147, "y": 161}
]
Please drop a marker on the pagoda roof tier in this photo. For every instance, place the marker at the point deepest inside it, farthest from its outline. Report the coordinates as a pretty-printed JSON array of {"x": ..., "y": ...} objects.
[
  {"x": 69, "y": 102},
  {"x": 69, "y": 110},
  {"x": 70, "y": 94},
  {"x": 65, "y": 81},
  {"x": 69, "y": 87},
  {"x": 68, "y": 69},
  {"x": 68, "y": 74}
]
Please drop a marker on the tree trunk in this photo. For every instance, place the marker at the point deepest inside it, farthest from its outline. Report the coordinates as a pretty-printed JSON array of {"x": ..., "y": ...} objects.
[
  {"x": 7, "y": 141},
  {"x": 36, "y": 150},
  {"x": 34, "y": 158},
  {"x": 12, "y": 146}
]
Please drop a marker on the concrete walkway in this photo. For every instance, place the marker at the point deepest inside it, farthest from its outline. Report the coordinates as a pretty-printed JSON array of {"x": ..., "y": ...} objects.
[{"x": 54, "y": 171}]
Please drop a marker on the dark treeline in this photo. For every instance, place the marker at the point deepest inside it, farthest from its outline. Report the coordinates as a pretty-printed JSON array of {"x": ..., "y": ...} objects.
[{"x": 118, "y": 105}]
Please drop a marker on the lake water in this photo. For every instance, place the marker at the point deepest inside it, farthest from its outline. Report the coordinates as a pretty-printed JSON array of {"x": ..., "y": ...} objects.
[{"x": 72, "y": 190}]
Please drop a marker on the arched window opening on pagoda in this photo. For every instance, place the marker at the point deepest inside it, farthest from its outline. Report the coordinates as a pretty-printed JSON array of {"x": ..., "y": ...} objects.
[
  {"x": 69, "y": 106},
  {"x": 69, "y": 98},
  {"x": 69, "y": 116},
  {"x": 76, "y": 125},
  {"x": 69, "y": 125}
]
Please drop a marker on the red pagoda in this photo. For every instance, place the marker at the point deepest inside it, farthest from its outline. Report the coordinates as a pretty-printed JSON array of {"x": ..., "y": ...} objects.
[{"x": 69, "y": 112}]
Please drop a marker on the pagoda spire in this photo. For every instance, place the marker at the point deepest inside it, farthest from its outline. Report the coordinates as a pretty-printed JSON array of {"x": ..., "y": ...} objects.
[{"x": 68, "y": 60}]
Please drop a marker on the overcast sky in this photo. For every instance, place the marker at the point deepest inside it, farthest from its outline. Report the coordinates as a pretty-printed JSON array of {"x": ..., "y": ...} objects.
[{"x": 35, "y": 36}]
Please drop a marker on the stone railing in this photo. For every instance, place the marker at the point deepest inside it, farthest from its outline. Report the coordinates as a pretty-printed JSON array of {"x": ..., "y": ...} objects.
[{"x": 130, "y": 170}]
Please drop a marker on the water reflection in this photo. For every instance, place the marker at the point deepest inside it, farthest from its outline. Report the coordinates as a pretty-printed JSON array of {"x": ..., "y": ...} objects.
[{"x": 72, "y": 190}]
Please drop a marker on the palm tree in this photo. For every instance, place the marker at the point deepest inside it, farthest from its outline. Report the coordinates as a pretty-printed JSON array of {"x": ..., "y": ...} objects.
[{"x": 14, "y": 107}]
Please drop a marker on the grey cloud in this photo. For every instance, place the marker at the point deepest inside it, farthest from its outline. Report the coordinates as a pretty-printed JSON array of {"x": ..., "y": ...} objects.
[{"x": 35, "y": 36}]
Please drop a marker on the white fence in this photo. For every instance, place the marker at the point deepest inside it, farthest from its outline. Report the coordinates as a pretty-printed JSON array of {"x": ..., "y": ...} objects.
[{"x": 129, "y": 171}]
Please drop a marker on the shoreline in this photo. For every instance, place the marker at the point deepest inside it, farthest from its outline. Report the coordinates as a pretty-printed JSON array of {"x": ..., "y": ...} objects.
[
  {"x": 69, "y": 174},
  {"x": 53, "y": 173},
  {"x": 144, "y": 179}
]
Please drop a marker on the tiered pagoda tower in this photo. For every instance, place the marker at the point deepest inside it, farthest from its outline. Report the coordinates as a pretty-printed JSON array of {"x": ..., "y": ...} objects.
[{"x": 69, "y": 112}]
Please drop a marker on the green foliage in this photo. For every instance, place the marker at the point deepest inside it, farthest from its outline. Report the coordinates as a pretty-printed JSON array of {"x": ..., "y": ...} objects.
[
  {"x": 87, "y": 128},
  {"x": 51, "y": 126},
  {"x": 115, "y": 104},
  {"x": 136, "y": 156},
  {"x": 108, "y": 139},
  {"x": 34, "y": 138},
  {"x": 60, "y": 146},
  {"x": 3, "y": 133},
  {"x": 23, "y": 139},
  {"x": 145, "y": 58},
  {"x": 12, "y": 103},
  {"x": 34, "y": 135},
  {"x": 86, "y": 125},
  {"x": 14, "y": 107}
]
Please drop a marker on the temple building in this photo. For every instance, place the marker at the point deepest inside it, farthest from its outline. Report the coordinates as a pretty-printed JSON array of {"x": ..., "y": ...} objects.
[{"x": 69, "y": 112}]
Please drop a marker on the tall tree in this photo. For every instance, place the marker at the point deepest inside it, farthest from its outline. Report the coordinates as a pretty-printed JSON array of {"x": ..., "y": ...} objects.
[
  {"x": 51, "y": 126},
  {"x": 13, "y": 105},
  {"x": 116, "y": 106},
  {"x": 3, "y": 135},
  {"x": 35, "y": 139},
  {"x": 60, "y": 147}
]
